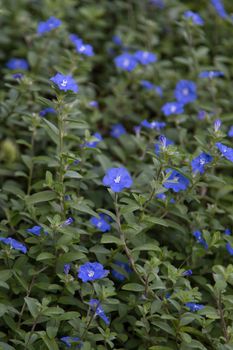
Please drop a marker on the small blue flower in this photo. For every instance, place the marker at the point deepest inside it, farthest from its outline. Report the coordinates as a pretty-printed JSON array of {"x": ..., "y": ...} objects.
[
  {"x": 158, "y": 3},
  {"x": 117, "y": 130},
  {"x": 65, "y": 82},
  {"x": 67, "y": 269},
  {"x": 153, "y": 125},
  {"x": 161, "y": 196},
  {"x": 193, "y": 307},
  {"x": 17, "y": 64},
  {"x": 126, "y": 61},
  {"x": 202, "y": 114},
  {"x": 14, "y": 244},
  {"x": 195, "y": 17},
  {"x": 198, "y": 163},
  {"x": 92, "y": 271},
  {"x": 230, "y": 132},
  {"x": 227, "y": 152},
  {"x": 84, "y": 49},
  {"x": 117, "y": 40},
  {"x": 125, "y": 266},
  {"x": 172, "y": 108},
  {"x": 229, "y": 248},
  {"x": 187, "y": 273},
  {"x": 185, "y": 91},
  {"x": 68, "y": 222},
  {"x": 117, "y": 179},
  {"x": 159, "y": 90},
  {"x": 147, "y": 84},
  {"x": 18, "y": 76},
  {"x": 164, "y": 142},
  {"x": 47, "y": 26},
  {"x": 94, "y": 104},
  {"x": 227, "y": 232},
  {"x": 98, "y": 310},
  {"x": 94, "y": 143},
  {"x": 211, "y": 74},
  {"x": 69, "y": 341},
  {"x": 176, "y": 181},
  {"x": 35, "y": 230},
  {"x": 101, "y": 223},
  {"x": 137, "y": 129},
  {"x": 217, "y": 4},
  {"x": 217, "y": 125},
  {"x": 145, "y": 57},
  {"x": 48, "y": 110},
  {"x": 200, "y": 239}
]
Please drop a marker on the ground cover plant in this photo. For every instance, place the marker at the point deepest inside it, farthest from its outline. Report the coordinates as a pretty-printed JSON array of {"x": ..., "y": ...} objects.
[{"x": 116, "y": 175}]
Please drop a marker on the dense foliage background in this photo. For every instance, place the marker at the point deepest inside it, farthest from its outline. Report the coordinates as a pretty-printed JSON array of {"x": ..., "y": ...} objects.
[{"x": 164, "y": 239}]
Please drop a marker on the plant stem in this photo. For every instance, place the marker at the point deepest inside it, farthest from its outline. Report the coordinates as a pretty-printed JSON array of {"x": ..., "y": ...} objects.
[
  {"x": 223, "y": 322},
  {"x": 61, "y": 167},
  {"x": 31, "y": 161}
]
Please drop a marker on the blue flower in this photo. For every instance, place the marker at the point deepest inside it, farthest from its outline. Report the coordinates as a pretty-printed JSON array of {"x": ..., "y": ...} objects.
[
  {"x": 125, "y": 266},
  {"x": 65, "y": 82},
  {"x": 46, "y": 111},
  {"x": 230, "y": 132},
  {"x": 227, "y": 232},
  {"x": 147, "y": 84},
  {"x": 202, "y": 114},
  {"x": 185, "y": 91},
  {"x": 217, "y": 125},
  {"x": 227, "y": 152},
  {"x": 187, "y": 273},
  {"x": 68, "y": 222},
  {"x": 92, "y": 271},
  {"x": 172, "y": 108},
  {"x": 18, "y": 76},
  {"x": 158, "y": 3},
  {"x": 14, "y": 244},
  {"x": 211, "y": 74},
  {"x": 94, "y": 143},
  {"x": 137, "y": 129},
  {"x": 35, "y": 230},
  {"x": 217, "y": 4},
  {"x": 67, "y": 269},
  {"x": 47, "y": 26},
  {"x": 198, "y": 163},
  {"x": 68, "y": 341},
  {"x": 81, "y": 47},
  {"x": 126, "y": 61},
  {"x": 153, "y": 125},
  {"x": 200, "y": 239},
  {"x": 145, "y": 57},
  {"x": 195, "y": 17},
  {"x": 164, "y": 142},
  {"x": 94, "y": 104},
  {"x": 229, "y": 248},
  {"x": 161, "y": 196},
  {"x": 193, "y": 307},
  {"x": 176, "y": 181},
  {"x": 117, "y": 40},
  {"x": 100, "y": 223},
  {"x": 17, "y": 64},
  {"x": 117, "y": 179},
  {"x": 117, "y": 130},
  {"x": 98, "y": 310}
]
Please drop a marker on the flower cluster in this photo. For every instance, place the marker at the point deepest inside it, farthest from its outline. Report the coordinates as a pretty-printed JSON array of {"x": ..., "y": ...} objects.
[{"x": 51, "y": 24}]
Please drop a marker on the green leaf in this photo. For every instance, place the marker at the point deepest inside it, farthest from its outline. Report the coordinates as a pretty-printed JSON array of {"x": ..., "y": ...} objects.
[
  {"x": 147, "y": 247},
  {"x": 44, "y": 196},
  {"x": 33, "y": 306},
  {"x": 4, "y": 346},
  {"x": 134, "y": 287},
  {"x": 52, "y": 131},
  {"x": 45, "y": 256},
  {"x": 73, "y": 174},
  {"x": 156, "y": 221},
  {"x": 107, "y": 239}
]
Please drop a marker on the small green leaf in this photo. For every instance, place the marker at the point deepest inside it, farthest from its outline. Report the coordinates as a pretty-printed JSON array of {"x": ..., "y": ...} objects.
[
  {"x": 134, "y": 287},
  {"x": 107, "y": 239},
  {"x": 39, "y": 197},
  {"x": 45, "y": 256}
]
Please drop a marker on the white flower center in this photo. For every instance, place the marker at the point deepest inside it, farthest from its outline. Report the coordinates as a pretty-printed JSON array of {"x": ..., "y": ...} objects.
[
  {"x": 82, "y": 48},
  {"x": 211, "y": 74},
  {"x": 90, "y": 273},
  {"x": 185, "y": 92},
  {"x": 153, "y": 124},
  {"x": 173, "y": 109},
  {"x": 99, "y": 224},
  {"x": 126, "y": 62},
  {"x": 145, "y": 54},
  {"x": 176, "y": 179},
  {"x": 64, "y": 82},
  {"x": 117, "y": 179},
  {"x": 202, "y": 161}
]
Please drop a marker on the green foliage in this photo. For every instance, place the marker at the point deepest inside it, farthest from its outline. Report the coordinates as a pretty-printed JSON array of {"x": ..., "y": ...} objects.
[{"x": 49, "y": 173}]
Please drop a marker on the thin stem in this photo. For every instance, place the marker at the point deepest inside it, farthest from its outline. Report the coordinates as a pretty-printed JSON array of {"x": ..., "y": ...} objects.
[
  {"x": 223, "y": 322},
  {"x": 61, "y": 169},
  {"x": 32, "y": 330}
]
